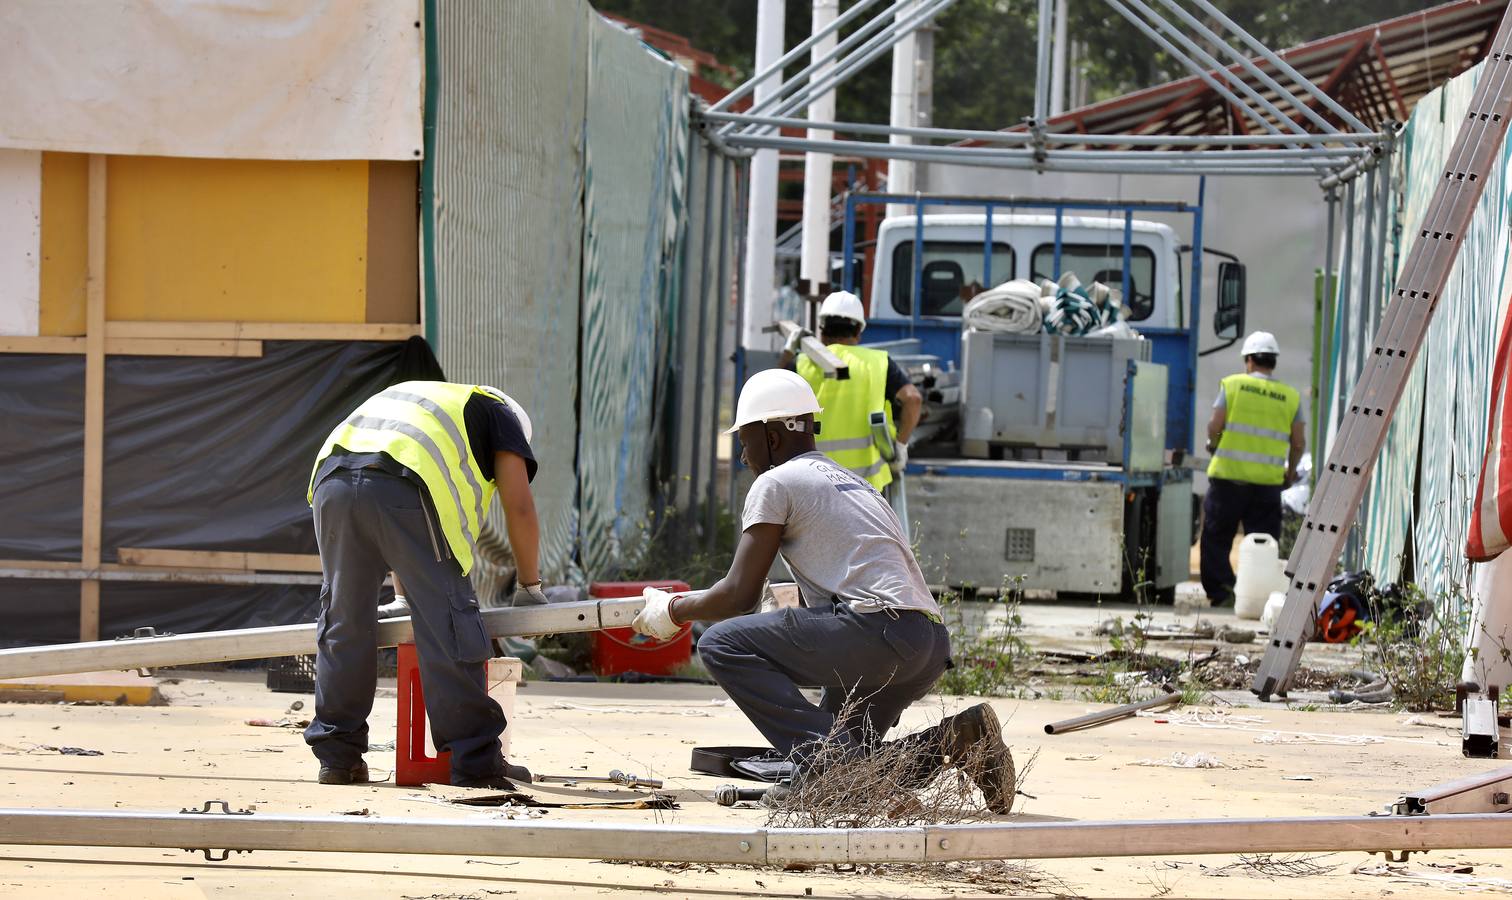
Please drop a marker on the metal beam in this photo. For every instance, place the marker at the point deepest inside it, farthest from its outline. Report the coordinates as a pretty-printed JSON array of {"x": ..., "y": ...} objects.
[
  {"x": 294, "y": 640},
  {"x": 1190, "y": 64},
  {"x": 1282, "y": 65},
  {"x": 245, "y": 831},
  {"x": 1244, "y": 61},
  {"x": 858, "y": 60},
  {"x": 1487, "y": 792},
  {"x": 729, "y": 99}
]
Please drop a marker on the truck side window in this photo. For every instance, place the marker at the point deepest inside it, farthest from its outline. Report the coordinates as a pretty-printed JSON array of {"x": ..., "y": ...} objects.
[
  {"x": 953, "y": 273},
  {"x": 1103, "y": 262}
]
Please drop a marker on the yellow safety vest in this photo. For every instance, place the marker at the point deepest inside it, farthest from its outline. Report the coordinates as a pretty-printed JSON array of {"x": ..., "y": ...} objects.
[
  {"x": 420, "y": 425},
  {"x": 845, "y": 433},
  {"x": 1257, "y": 430}
]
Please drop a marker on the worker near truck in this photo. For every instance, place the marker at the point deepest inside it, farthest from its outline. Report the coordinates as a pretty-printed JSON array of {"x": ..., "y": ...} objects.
[
  {"x": 868, "y": 630},
  {"x": 1256, "y": 437},
  {"x": 403, "y": 484},
  {"x": 876, "y": 385}
]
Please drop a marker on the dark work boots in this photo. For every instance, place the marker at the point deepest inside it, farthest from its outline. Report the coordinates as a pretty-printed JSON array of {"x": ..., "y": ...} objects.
[
  {"x": 973, "y": 740},
  {"x": 357, "y": 774}
]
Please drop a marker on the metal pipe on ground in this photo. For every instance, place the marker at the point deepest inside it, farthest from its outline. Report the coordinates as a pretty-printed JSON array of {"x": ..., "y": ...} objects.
[
  {"x": 296, "y": 640},
  {"x": 1092, "y": 720},
  {"x": 246, "y": 831}
]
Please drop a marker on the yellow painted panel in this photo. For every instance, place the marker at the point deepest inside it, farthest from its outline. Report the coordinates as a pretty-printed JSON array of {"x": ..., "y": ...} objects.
[
  {"x": 195, "y": 240},
  {"x": 65, "y": 200}
]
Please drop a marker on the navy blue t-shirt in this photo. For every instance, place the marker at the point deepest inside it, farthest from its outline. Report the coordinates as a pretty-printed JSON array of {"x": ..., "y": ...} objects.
[{"x": 491, "y": 427}]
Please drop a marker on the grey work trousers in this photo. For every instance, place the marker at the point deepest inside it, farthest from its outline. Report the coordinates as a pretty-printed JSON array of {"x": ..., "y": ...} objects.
[
  {"x": 880, "y": 661},
  {"x": 367, "y": 523}
]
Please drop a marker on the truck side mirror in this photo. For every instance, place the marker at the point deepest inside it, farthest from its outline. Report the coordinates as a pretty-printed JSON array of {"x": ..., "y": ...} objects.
[{"x": 1228, "y": 314}]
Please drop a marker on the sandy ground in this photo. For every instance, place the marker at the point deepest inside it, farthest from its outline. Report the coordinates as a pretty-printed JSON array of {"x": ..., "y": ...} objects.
[{"x": 199, "y": 748}]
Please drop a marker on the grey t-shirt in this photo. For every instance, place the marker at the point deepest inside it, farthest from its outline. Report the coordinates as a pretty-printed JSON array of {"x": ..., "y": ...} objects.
[{"x": 840, "y": 538}]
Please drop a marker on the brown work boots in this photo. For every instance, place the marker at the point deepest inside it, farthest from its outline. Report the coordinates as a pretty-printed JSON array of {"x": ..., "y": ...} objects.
[{"x": 973, "y": 742}]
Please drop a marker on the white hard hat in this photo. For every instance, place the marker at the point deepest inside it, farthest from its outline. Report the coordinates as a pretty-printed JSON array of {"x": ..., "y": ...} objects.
[
  {"x": 1260, "y": 342},
  {"x": 842, "y": 305},
  {"x": 774, "y": 394},
  {"x": 514, "y": 407}
]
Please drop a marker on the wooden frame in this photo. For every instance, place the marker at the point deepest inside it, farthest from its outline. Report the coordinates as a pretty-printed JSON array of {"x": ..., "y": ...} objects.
[{"x": 222, "y": 560}]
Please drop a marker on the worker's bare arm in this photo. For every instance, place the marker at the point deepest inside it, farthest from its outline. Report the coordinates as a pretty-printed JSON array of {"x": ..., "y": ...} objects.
[
  {"x": 912, "y": 407},
  {"x": 1298, "y": 445},
  {"x": 740, "y": 590},
  {"x": 1215, "y": 427},
  {"x": 513, "y": 480}
]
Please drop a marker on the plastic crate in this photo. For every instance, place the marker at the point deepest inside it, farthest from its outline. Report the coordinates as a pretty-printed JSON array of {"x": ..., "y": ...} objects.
[{"x": 292, "y": 674}]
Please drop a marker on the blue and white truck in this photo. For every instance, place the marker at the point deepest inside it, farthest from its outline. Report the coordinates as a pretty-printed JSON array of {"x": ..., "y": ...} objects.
[{"x": 1062, "y": 459}]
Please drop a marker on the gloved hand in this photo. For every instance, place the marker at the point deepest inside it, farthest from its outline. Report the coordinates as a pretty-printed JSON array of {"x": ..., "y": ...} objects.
[
  {"x": 529, "y": 595},
  {"x": 900, "y": 456},
  {"x": 655, "y": 619},
  {"x": 795, "y": 339},
  {"x": 395, "y": 608}
]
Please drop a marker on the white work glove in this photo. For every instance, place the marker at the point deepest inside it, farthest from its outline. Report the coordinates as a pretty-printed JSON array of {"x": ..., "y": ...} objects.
[
  {"x": 655, "y": 619},
  {"x": 395, "y": 608},
  {"x": 900, "y": 456},
  {"x": 795, "y": 340},
  {"x": 529, "y": 595}
]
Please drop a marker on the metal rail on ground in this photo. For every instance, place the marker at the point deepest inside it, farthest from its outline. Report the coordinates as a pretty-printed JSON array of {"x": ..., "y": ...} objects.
[{"x": 242, "y": 831}]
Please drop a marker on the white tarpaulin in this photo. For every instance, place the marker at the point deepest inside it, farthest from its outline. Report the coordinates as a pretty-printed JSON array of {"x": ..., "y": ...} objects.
[
  {"x": 20, "y": 240},
  {"x": 249, "y": 79}
]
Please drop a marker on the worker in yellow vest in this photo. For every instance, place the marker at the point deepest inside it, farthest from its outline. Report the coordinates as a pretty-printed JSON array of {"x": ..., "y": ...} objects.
[
  {"x": 404, "y": 485},
  {"x": 1256, "y": 437},
  {"x": 876, "y": 385}
]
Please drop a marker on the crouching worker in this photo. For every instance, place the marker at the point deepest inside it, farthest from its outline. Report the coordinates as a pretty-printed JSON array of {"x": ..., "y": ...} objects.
[
  {"x": 869, "y": 631},
  {"x": 404, "y": 484}
]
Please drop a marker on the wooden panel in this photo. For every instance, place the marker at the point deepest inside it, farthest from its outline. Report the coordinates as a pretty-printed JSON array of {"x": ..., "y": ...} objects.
[
  {"x": 393, "y": 248},
  {"x": 65, "y": 181},
  {"x": 180, "y": 347},
  {"x": 257, "y": 240},
  {"x": 263, "y": 331},
  {"x": 94, "y": 397},
  {"x": 20, "y": 240},
  {"x": 41, "y": 344},
  {"x": 228, "y": 560}
]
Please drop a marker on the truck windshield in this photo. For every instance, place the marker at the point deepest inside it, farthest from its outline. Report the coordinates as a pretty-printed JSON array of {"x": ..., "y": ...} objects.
[
  {"x": 953, "y": 273},
  {"x": 1103, "y": 262}
]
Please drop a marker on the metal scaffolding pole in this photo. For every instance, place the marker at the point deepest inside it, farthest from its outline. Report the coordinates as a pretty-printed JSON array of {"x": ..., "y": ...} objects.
[
  {"x": 295, "y": 640},
  {"x": 1081, "y": 161},
  {"x": 771, "y": 94},
  {"x": 721, "y": 296},
  {"x": 749, "y": 84},
  {"x": 1330, "y": 292},
  {"x": 858, "y": 60},
  {"x": 1244, "y": 61},
  {"x": 1282, "y": 65},
  {"x": 1358, "y": 144},
  {"x": 246, "y": 830},
  {"x": 1042, "y": 61},
  {"x": 1212, "y": 62}
]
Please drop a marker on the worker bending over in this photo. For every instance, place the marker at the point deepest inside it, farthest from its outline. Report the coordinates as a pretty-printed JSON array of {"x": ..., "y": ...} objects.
[
  {"x": 876, "y": 385},
  {"x": 868, "y": 632},
  {"x": 404, "y": 484},
  {"x": 1256, "y": 436}
]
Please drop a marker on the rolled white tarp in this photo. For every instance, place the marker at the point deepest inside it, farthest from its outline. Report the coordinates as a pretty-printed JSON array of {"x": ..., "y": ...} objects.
[
  {"x": 1012, "y": 307},
  {"x": 241, "y": 79}
]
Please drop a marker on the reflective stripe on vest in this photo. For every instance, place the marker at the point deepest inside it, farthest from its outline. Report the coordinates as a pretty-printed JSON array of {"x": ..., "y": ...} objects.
[
  {"x": 1256, "y": 439},
  {"x": 845, "y": 433},
  {"x": 420, "y": 425}
]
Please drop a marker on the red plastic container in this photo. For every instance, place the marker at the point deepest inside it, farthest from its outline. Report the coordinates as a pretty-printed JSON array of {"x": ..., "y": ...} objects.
[{"x": 619, "y": 650}]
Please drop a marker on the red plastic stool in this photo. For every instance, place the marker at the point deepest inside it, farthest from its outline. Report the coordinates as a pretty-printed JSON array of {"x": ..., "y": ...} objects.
[
  {"x": 618, "y": 650},
  {"x": 413, "y": 766}
]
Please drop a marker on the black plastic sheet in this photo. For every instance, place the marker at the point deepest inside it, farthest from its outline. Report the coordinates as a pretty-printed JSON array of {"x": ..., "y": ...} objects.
[{"x": 201, "y": 453}]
